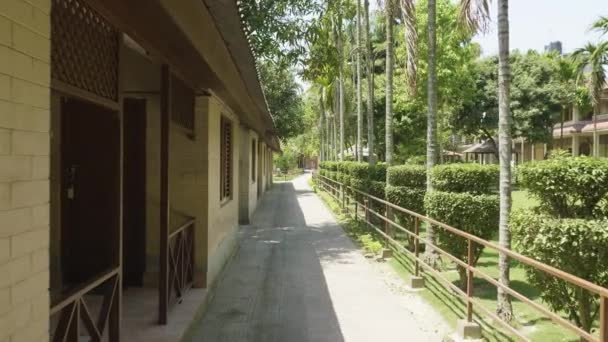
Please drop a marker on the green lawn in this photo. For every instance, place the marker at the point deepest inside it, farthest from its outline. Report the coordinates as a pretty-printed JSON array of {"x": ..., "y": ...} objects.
[
  {"x": 523, "y": 200},
  {"x": 527, "y": 320}
]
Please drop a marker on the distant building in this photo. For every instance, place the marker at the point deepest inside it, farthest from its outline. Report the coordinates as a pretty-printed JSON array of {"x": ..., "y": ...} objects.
[{"x": 554, "y": 46}]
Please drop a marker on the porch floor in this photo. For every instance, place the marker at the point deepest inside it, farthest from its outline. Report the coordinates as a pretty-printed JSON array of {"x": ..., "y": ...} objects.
[
  {"x": 140, "y": 315},
  {"x": 298, "y": 277}
]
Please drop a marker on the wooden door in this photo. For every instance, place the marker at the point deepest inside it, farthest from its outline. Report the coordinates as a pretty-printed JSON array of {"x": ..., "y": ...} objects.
[
  {"x": 134, "y": 186},
  {"x": 90, "y": 199}
]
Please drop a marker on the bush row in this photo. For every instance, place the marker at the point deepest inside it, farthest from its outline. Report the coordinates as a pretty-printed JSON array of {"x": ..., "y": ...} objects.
[{"x": 568, "y": 230}]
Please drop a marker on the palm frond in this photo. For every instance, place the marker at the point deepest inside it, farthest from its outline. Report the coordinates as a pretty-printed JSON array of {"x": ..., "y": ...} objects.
[
  {"x": 591, "y": 62},
  {"x": 475, "y": 15},
  {"x": 600, "y": 25},
  {"x": 408, "y": 12}
]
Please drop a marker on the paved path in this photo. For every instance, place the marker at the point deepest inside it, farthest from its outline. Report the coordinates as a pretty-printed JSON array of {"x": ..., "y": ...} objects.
[{"x": 297, "y": 277}]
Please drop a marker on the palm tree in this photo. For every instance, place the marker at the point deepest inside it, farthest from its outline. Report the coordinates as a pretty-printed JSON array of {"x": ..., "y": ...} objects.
[
  {"x": 592, "y": 61},
  {"x": 601, "y": 25},
  {"x": 408, "y": 12},
  {"x": 369, "y": 65},
  {"x": 504, "y": 308},
  {"x": 389, "y": 80},
  {"x": 359, "y": 87}
]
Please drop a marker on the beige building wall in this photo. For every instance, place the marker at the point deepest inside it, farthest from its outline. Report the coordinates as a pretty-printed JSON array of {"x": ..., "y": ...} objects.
[
  {"x": 248, "y": 186},
  {"x": 262, "y": 169},
  {"x": 24, "y": 169},
  {"x": 222, "y": 217}
]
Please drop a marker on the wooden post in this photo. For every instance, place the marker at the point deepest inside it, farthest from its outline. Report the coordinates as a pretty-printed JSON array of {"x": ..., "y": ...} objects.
[
  {"x": 366, "y": 204},
  {"x": 470, "y": 281},
  {"x": 604, "y": 319},
  {"x": 417, "y": 245},
  {"x": 165, "y": 122}
]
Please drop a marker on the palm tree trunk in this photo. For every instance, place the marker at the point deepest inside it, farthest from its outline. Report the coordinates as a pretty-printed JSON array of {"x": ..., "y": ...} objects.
[
  {"x": 341, "y": 91},
  {"x": 504, "y": 309},
  {"x": 359, "y": 88},
  {"x": 322, "y": 132},
  {"x": 596, "y": 145},
  {"x": 335, "y": 145},
  {"x": 431, "y": 255},
  {"x": 389, "y": 82},
  {"x": 370, "y": 87}
]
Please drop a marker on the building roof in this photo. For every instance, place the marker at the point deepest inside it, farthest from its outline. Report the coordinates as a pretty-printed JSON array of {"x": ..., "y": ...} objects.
[
  {"x": 227, "y": 18},
  {"x": 484, "y": 147}
]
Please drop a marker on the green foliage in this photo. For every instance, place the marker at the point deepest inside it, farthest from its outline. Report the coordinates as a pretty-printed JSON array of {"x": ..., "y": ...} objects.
[
  {"x": 378, "y": 172},
  {"x": 370, "y": 244},
  {"x": 276, "y": 27},
  {"x": 408, "y": 198},
  {"x": 285, "y": 161},
  {"x": 538, "y": 91},
  {"x": 576, "y": 246},
  {"x": 284, "y": 100},
  {"x": 474, "y": 214},
  {"x": 411, "y": 176},
  {"x": 471, "y": 178},
  {"x": 567, "y": 187}
]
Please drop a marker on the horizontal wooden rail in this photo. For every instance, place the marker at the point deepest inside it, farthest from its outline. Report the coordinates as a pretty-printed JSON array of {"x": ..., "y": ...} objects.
[
  {"x": 343, "y": 193},
  {"x": 72, "y": 312}
]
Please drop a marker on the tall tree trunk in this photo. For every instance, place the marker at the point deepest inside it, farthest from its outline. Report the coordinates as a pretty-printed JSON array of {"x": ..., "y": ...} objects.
[
  {"x": 370, "y": 87},
  {"x": 389, "y": 82},
  {"x": 341, "y": 91},
  {"x": 322, "y": 131},
  {"x": 359, "y": 88},
  {"x": 596, "y": 141},
  {"x": 431, "y": 255},
  {"x": 335, "y": 145},
  {"x": 504, "y": 309}
]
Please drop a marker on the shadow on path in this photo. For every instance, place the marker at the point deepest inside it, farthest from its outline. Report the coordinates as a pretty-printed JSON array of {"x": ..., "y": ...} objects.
[{"x": 274, "y": 288}]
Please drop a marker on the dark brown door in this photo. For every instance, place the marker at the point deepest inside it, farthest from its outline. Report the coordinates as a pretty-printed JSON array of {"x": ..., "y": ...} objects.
[
  {"x": 90, "y": 163},
  {"x": 134, "y": 213}
]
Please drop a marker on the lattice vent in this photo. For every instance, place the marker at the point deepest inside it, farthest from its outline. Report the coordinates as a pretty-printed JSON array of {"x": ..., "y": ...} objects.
[{"x": 84, "y": 48}]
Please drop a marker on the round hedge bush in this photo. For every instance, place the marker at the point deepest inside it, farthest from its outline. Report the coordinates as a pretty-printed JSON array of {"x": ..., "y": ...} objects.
[
  {"x": 568, "y": 187},
  {"x": 576, "y": 246},
  {"x": 470, "y": 178},
  {"x": 475, "y": 214},
  {"x": 411, "y": 176}
]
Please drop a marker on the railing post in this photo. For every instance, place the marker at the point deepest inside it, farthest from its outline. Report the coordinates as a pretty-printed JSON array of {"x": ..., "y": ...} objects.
[
  {"x": 469, "y": 281},
  {"x": 366, "y": 203},
  {"x": 417, "y": 245},
  {"x": 604, "y": 319}
]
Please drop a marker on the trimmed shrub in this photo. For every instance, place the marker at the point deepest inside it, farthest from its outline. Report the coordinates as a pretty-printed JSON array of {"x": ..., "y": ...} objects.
[
  {"x": 474, "y": 214},
  {"x": 411, "y": 176},
  {"x": 567, "y": 187},
  {"x": 406, "y": 187},
  {"x": 378, "y": 172},
  {"x": 408, "y": 198},
  {"x": 576, "y": 246},
  {"x": 359, "y": 170},
  {"x": 471, "y": 178}
]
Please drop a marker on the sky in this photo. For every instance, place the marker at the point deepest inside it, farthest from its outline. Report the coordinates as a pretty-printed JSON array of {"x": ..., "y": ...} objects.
[{"x": 535, "y": 23}]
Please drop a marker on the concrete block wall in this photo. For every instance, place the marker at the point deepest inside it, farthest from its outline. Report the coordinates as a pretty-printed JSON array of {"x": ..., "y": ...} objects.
[
  {"x": 248, "y": 194},
  {"x": 222, "y": 217},
  {"x": 24, "y": 169}
]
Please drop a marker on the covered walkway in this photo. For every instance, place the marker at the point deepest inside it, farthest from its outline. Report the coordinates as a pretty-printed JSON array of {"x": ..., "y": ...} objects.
[{"x": 298, "y": 277}]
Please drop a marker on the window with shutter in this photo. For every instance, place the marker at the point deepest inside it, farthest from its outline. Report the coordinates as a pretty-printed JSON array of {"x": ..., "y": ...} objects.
[{"x": 225, "y": 159}]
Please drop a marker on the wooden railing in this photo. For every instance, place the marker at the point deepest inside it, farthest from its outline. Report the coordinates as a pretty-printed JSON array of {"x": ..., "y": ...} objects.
[
  {"x": 73, "y": 313},
  {"x": 344, "y": 194},
  {"x": 181, "y": 262}
]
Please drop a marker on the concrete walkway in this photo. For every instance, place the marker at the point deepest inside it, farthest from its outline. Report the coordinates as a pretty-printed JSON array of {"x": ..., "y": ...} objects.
[{"x": 298, "y": 277}]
